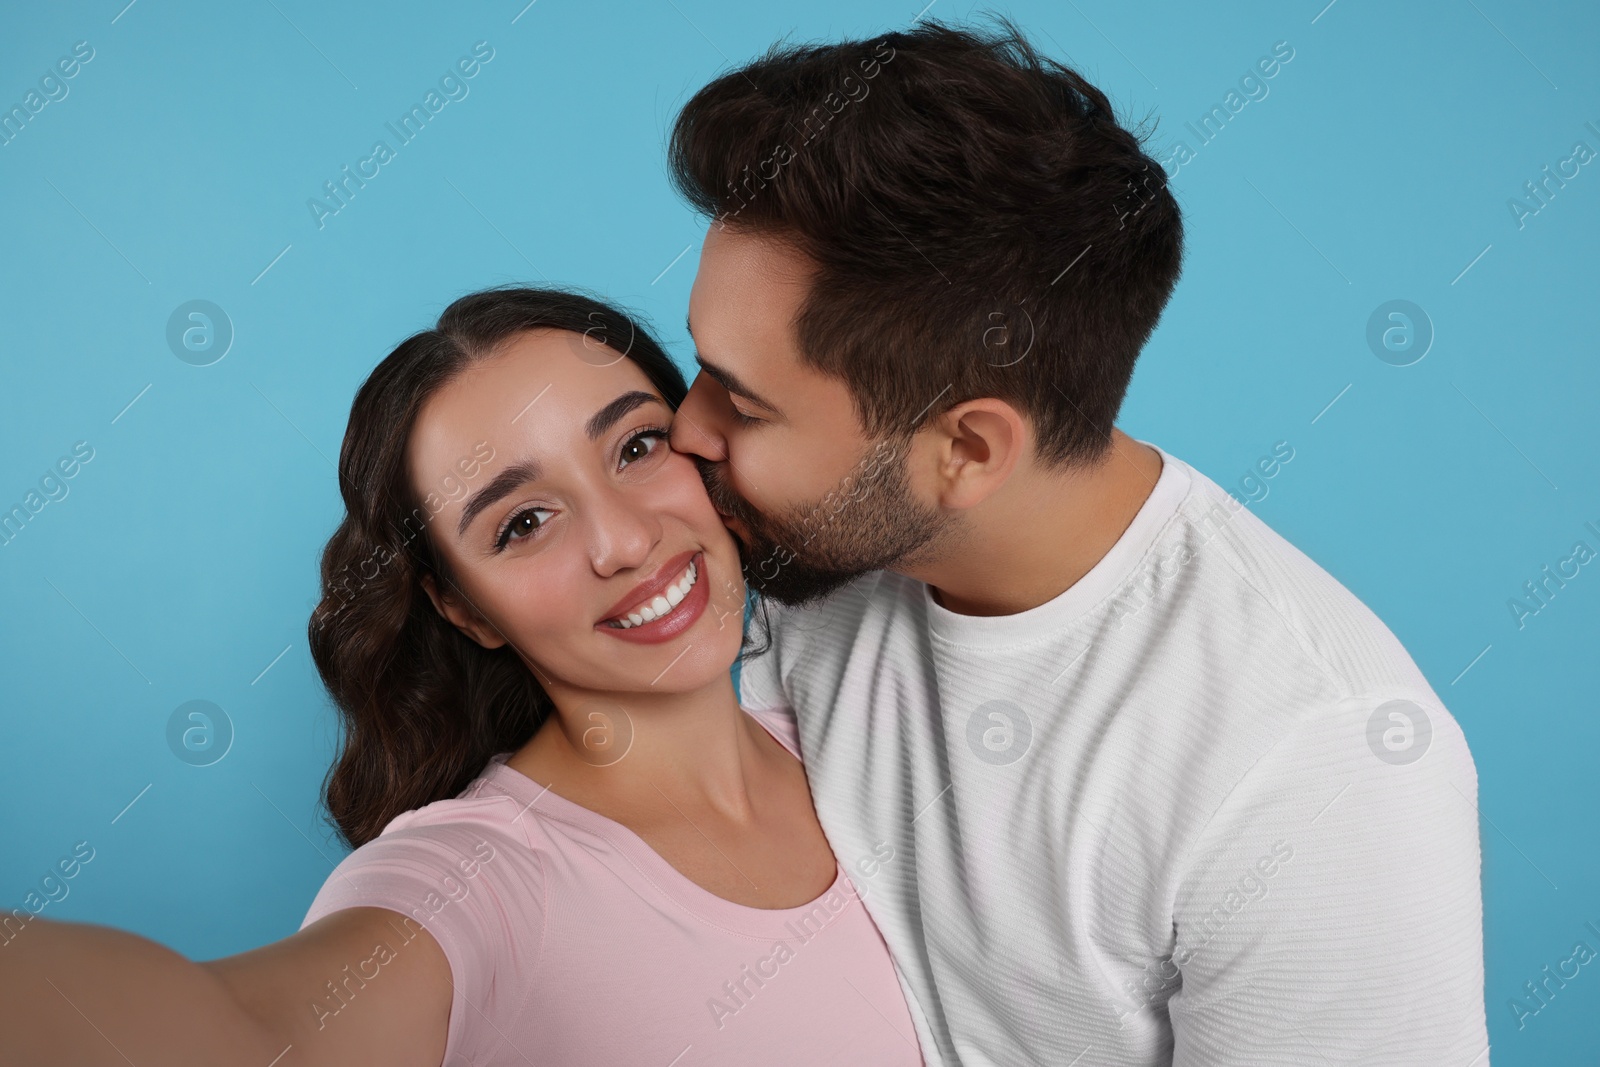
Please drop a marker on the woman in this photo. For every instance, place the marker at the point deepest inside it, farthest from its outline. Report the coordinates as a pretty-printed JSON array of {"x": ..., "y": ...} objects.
[{"x": 573, "y": 847}]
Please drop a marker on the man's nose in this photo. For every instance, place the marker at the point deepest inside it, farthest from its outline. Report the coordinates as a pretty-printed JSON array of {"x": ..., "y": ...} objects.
[{"x": 694, "y": 429}]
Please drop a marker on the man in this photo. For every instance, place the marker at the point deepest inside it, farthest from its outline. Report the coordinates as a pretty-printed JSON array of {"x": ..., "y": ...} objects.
[{"x": 1122, "y": 776}]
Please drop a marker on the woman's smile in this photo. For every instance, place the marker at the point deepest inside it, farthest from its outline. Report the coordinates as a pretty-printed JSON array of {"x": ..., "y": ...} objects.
[
  {"x": 662, "y": 607},
  {"x": 586, "y": 522}
]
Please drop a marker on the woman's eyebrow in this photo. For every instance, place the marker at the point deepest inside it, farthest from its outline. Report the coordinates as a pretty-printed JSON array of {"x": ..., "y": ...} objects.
[
  {"x": 607, "y": 417},
  {"x": 499, "y": 486},
  {"x": 507, "y": 481}
]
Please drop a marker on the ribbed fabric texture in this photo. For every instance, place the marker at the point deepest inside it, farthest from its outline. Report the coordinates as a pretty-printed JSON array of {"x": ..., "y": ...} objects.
[{"x": 1151, "y": 821}]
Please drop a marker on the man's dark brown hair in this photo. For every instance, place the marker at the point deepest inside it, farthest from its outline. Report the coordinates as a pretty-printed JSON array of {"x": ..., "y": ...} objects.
[{"x": 979, "y": 222}]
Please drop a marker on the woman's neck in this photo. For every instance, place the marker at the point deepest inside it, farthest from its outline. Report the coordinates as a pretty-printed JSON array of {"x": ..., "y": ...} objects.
[{"x": 624, "y": 752}]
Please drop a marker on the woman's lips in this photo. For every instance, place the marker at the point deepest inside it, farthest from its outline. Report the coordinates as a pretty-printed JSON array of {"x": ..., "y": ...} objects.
[
  {"x": 676, "y": 621},
  {"x": 666, "y": 574}
]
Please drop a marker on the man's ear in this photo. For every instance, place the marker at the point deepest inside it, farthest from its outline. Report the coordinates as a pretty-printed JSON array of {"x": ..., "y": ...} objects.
[
  {"x": 461, "y": 614},
  {"x": 977, "y": 445}
]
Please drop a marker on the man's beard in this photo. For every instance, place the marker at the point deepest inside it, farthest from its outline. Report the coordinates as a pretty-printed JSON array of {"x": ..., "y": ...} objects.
[{"x": 870, "y": 522}]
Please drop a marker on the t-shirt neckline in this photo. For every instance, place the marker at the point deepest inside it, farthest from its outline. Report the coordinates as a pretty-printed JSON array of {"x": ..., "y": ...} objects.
[
  {"x": 739, "y": 918},
  {"x": 1038, "y": 623}
]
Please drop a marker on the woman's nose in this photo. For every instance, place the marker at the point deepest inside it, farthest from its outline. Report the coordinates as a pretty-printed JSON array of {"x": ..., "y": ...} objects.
[{"x": 624, "y": 535}]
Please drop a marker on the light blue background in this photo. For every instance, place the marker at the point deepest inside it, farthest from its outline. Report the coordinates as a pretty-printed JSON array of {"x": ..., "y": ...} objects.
[{"x": 184, "y": 559}]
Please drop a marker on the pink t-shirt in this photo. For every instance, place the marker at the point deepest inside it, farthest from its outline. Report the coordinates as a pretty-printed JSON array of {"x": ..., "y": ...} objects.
[{"x": 572, "y": 942}]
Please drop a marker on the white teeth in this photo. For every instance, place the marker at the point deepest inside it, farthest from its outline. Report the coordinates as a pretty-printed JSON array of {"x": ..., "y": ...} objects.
[{"x": 661, "y": 604}]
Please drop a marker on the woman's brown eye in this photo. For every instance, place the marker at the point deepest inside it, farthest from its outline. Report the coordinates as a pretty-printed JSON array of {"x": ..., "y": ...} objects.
[
  {"x": 640, "y": 446},
  {"x": 521, "y": 525}
]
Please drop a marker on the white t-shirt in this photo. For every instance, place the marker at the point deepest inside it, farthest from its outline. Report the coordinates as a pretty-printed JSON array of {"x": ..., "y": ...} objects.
[{"x": 1200, "y": 808}]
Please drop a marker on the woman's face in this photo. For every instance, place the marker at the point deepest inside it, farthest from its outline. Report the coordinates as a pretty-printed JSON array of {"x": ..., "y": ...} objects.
[{"x": 578, "y": 537}]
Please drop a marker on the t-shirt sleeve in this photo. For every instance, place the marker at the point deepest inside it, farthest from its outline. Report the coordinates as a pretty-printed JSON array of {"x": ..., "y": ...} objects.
[
  {"x": 1332, "y": 906},
  {"x": 473, "y": 886}
]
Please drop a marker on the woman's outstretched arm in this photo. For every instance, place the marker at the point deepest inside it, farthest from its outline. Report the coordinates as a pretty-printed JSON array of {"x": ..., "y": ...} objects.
[{"x": 357, "y": 986}]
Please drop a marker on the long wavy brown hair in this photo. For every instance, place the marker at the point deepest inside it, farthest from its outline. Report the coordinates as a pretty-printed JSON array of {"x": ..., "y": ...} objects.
[{"x": 423, "y": 706}]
